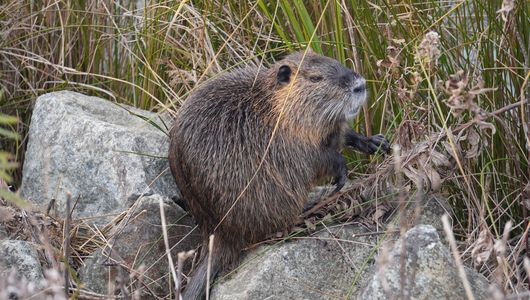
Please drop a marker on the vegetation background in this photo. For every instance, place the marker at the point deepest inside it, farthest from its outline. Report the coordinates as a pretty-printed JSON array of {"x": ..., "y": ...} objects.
[{"x": 448, "y": 82}]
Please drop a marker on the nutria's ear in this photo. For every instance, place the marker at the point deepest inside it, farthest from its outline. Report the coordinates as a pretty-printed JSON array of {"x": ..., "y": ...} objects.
[{"x": 284, "y": 74}]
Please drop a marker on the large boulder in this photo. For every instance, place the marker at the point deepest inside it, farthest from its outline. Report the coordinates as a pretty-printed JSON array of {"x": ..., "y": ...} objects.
[
  {"x": 339, "y": 263},
  {"x": 136, "y": 249},
  {"x": 3, "y": 232},
  {"x": 106, "y": 155},
  {"x": 419, "y": 266},
  {"x": 327, "y": 265}
]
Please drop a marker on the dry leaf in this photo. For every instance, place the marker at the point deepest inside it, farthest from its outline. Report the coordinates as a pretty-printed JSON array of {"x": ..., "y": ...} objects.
[
  {"x": 428, "y": 51},
  {"x": 486, "y": 125},
  {"x": 473, "y": 140},
  {"x": 381, "y": 211},
  {"x": 440, "y": 160},
  {"x": 526, "y": 196},
  {"x": 482, "y": 247},
  {"x": 309, "y": 223},
  {"x": 456, "y": 156},
  {"x": 6, "y": 214},
  {"x": 506, "y": 8},
  {"x": 434, "y": 178},
  {"x": 415, "y": 175}
]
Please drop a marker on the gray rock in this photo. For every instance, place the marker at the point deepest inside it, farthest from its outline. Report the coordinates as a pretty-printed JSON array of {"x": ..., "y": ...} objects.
[
  {"x": 138, "y": 244},
  {"x": 429, "y": 211},
  {"x": 318, "y": 267},
  {"x": 429, "y": 271},
  {"x": 323, "y": 266},
  {"x": 3, "y": 232},
  {"x": 106, "y": 155},
  {"x": 433, "y": 210},
  {"x": 21, "y": 258}
]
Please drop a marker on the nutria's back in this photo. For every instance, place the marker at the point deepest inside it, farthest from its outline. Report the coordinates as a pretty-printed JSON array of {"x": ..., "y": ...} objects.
[{"x": 239, "y": 181}]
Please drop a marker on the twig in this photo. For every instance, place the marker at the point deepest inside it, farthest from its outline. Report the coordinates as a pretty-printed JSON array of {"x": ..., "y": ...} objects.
[
  {"x": 166, "y": 243},
  {"x": 525, "y": 110},
  {"x": 396, "y": 149},
  {"x": 122, "y": 282},
  {"x": 491, "y": 114},
  {"x": 75, "y": 204},
  {"x": 209, "y": 268},
  {"x": 500, "y": 248},
  {"x": 181, "y": 258},
  {"x": 66, "y": 245},
  {"x": 456, "y": 256},
  {"x": 50, "y": 205}
]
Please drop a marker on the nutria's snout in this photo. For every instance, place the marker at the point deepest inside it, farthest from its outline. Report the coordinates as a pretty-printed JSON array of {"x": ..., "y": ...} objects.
[{"x": 357, "y": 97}]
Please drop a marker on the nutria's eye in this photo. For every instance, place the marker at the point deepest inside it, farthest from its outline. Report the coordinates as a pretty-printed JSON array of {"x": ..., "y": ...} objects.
[{"x": 315, "y": 78}]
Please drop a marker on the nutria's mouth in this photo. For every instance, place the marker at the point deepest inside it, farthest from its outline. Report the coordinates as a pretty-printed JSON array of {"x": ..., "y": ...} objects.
[{"x": 352, "y": 112}]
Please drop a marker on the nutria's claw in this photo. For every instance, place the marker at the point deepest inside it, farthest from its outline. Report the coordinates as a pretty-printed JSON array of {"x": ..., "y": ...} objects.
[
  {"x": 339, "y": 183},
  {"x": 378, "y": 143}
]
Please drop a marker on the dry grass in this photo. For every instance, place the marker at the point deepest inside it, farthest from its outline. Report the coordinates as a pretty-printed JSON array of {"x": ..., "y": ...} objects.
[{"x": 449, "y": 83}]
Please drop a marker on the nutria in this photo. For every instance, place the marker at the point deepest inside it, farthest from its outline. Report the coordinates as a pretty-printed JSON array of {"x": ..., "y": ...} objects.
[{"x": 247, "y": 146}]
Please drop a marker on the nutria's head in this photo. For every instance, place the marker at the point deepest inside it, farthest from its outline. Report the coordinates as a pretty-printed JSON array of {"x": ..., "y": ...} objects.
[{"x": 316, "y": 94}]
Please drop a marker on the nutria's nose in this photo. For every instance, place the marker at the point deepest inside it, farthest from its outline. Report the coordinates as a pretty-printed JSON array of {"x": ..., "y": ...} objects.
[
  {"x": 349, "y": 78},
  {"x": 359, "y": 85}
]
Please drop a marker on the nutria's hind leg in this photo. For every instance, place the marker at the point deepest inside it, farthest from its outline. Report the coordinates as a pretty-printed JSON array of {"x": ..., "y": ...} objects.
[
  {"x": 333, "y": 165},
  {"x": 341, "y": 172},
  {"x": 368, "y": 145}
]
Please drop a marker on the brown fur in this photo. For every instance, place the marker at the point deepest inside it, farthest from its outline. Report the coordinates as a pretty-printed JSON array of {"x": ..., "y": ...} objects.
[{"x": 221, "y": 136}]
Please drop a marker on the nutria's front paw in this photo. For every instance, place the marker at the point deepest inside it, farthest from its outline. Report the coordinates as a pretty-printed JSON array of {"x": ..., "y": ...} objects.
[
  {"x": 341, "y": 173},
  {"x": 368, "y": 145},
  {"x": 378, "y": 143}
]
